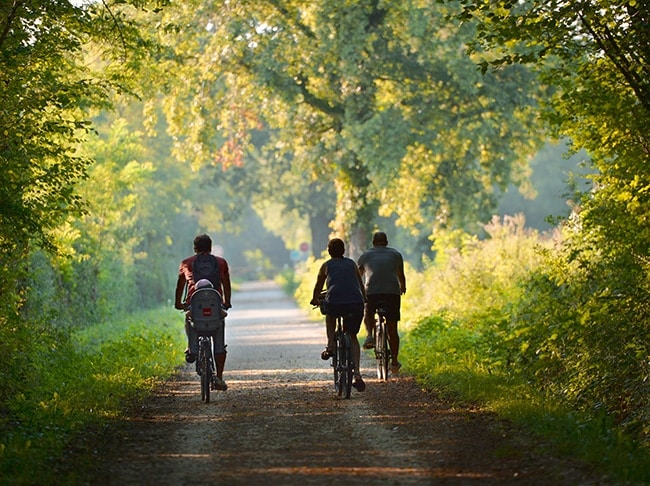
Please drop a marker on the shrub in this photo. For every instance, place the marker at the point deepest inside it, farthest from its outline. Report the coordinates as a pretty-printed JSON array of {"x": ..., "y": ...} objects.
[
  {"x": 71, "y": 381},
  {"x": 581, "y": 332},
  {"x": 555, "y": 337}
]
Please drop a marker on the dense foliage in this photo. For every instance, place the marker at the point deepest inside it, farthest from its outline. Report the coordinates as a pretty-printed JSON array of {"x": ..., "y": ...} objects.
[
  {"x": 502, "y": 323},
  {"x": 582, "y": 327},
  {"x": 376, "y": 100},
  {"x": 80, "y": 383},
  {"x": 47, "y": 90}
]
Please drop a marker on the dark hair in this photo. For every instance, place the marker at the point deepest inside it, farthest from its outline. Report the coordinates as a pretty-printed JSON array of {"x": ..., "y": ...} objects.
[
  {"x": 202, "y": 243},
  {"x": 336, "y": 247},
  {"x": 379, "y": 238}
]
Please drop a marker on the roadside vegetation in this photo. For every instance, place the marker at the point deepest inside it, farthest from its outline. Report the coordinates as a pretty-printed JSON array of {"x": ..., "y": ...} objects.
[
  {"x": 74, "y": 382},
  {"x": 496, "y": 323}
]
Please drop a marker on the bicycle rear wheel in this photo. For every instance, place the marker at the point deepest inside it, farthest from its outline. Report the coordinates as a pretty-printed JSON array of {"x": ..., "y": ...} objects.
[
  {"x": 339, "y": 361},
  {"x": 335, "y": 364},
  {"x": 381, "y": 351},
  {"x": 348, "y": 370},
  {"x": 206, "y": 372}
]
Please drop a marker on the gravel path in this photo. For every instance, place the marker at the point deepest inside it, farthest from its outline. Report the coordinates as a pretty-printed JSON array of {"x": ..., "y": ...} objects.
[{"x": 280, "y": 422}]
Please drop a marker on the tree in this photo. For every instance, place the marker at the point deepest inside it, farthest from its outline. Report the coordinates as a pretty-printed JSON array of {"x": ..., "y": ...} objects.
[
  {"x": 595, "y": 54},
  {"x": 47, "y": 92},
  {"x": 591, "y": 328},
  {"x": 41, "y": 121},
  {"x": 376, "y": 97}
]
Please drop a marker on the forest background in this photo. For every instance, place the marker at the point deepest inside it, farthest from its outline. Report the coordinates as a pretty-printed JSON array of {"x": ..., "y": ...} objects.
[{"x": 128, "y": 127}]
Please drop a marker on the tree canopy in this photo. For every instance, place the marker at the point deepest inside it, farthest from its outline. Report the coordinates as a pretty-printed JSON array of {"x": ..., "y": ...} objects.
[{"x": 377, "y": 99}]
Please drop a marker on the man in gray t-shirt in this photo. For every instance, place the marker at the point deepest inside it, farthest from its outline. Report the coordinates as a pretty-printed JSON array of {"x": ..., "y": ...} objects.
[{"x": 382, "y": 268}]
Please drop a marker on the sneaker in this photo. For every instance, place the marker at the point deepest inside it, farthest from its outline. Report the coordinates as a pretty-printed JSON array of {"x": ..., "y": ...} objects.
[
  {"x": 369, "y": 343},
  {"x": 189, "y": 356},
  {"x": 394, "y": 368},
  {"x": 218, "y": 383},
  {"x": 359, "y": 384},
  {"x": 326, "y": 354}
]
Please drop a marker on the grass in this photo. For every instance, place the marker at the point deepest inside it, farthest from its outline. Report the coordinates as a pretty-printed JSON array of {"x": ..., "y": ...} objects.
[
  {"x": 454, "y": 365},
  {"x": 81, "y": 382}
]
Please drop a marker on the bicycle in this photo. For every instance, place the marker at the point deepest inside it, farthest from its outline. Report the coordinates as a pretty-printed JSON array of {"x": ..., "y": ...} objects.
[
  {"x": 205, "y": 316},
  {"x": 342, "y": 363},
  {"x": 382, "y": 350}
]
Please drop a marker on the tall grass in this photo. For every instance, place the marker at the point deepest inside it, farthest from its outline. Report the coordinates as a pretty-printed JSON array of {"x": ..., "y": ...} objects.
[
  {"x": 481, "y": 324},
  {"x": 81, "y": 379}
]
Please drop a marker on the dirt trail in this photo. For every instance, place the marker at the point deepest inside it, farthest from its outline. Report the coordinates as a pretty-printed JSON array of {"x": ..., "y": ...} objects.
[{"x": 281, "y": 423}]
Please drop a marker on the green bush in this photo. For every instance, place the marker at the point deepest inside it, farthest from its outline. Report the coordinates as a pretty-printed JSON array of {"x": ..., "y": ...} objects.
[
  {"x": 581, "y": 332},
  {"x": 288, "y": 281},
  {"x": 307, "y": 274},
  {"x": 527, "y": 330},
  {"x": 72, "y": 381},
  {"x": 476, "y": 277}
]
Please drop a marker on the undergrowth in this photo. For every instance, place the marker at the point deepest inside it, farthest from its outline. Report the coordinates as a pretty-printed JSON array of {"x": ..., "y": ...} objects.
[
  {"x": 458, "y": 362},
  {"x": 498, "y": 322},
  {"x": 81, "y": 380}
]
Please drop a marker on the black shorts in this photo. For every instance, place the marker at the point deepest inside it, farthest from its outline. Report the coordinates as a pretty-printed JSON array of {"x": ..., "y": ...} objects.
[
  {"x": 389, "y": 302},
  {"x": 352, "y": 315}
]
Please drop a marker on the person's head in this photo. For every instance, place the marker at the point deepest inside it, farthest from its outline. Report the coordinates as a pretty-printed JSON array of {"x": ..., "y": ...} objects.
[
  {"x": 336, "y": 247},
  {"x": 202, "y": 244},
  {"x": 379, "y": 239}
]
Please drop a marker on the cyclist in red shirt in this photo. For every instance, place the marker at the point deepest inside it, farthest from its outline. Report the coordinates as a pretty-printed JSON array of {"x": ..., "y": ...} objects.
[{"x": 185, "y": 286}]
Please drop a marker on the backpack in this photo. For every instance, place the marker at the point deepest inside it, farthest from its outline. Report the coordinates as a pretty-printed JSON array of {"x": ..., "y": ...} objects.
[{"x": 206, "y": 266}]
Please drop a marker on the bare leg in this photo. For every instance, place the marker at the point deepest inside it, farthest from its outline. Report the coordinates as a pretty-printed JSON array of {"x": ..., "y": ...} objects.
[
  {"x": 393, "y": 340},
  {"x": 330, "y": 328},
  {"x": 356, "y": 353},
  {"x": 220, "y": 362},
  {"x": 369, "y": 323}
]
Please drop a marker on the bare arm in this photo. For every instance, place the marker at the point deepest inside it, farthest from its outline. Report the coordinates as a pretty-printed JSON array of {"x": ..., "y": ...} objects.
[
  {"x": 181, "y": 285},
  {"x": 318, "y": 287},
  {"x": 226, "y": 286},
  {"x": 227, "y": 290}
]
